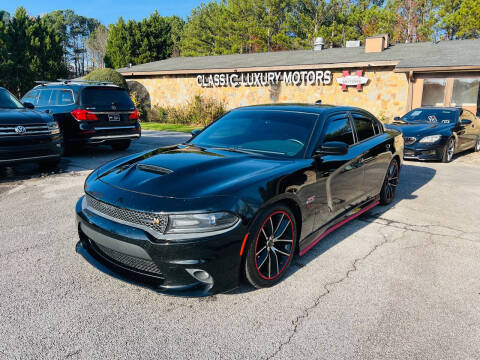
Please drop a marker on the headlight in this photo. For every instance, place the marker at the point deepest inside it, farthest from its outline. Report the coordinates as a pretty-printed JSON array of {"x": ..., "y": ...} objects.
[
  {"x": 430, "y": 139},
  {"x": 53, "y": 127},
  {"x": 192, "y": 223}
]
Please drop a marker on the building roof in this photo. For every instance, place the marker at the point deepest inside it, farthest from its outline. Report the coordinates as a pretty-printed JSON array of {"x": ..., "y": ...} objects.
[{"x": 404, "y": 57}]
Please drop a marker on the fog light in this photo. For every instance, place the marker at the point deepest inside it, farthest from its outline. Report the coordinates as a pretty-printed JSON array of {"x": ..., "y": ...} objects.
[{"x": 200, "y": 275}]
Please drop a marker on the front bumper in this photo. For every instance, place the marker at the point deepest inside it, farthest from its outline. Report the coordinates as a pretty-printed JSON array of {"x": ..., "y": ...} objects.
[
  {"x": 188, "y": 268},
  {"x": 419, "y": 151},
  {"x": 30, "y": 148}
]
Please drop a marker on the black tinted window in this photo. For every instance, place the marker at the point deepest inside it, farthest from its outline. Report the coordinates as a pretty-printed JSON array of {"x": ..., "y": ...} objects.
[
  {"x": 61, "y": 97},
  {"x": 8, "y": 101},
  {"x": 31, "y": 97},
  {"x": 106, "y": 98},
  {"x": 364, "y": 127},
  {"x": 270, "y": 132},
  {"x": 339, "y": 129},
  {"x": 44, "y": 98}
]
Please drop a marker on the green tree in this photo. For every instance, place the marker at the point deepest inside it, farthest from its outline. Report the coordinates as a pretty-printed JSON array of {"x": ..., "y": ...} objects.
[
  {"x": 29, "y": 50},
  {"x": 109, "y": 75},
  {"x": 468, "y": 19}
]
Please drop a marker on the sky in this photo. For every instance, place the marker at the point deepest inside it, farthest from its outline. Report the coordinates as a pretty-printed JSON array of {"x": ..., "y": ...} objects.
[{"x": 107, "y": 11}]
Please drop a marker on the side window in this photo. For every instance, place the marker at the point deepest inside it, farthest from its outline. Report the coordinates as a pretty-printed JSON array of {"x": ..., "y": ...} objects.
[
  {"x": 31, "y": 97},
  {"x": 61, "y": 97},
  {"x": 339, "y": 129},
  {"x": 44, "y": 98},
  {"x": 378, "y": 127},
  {"x": 364, "y": 126}
]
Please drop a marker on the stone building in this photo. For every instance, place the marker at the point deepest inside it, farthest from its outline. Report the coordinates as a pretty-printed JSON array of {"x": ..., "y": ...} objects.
[{"x": 387, "y": 80}]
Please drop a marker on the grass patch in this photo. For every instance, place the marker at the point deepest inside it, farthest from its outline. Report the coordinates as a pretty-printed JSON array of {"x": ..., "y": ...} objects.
[{"x": 169, "y": 127}]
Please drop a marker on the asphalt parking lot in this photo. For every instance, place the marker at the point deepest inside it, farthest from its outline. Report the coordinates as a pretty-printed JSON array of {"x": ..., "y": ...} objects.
[{"x": 401, "y": 282}]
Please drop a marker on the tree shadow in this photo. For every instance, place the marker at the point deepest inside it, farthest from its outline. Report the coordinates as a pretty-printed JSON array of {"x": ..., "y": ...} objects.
[{"x": 412, "y": 178}]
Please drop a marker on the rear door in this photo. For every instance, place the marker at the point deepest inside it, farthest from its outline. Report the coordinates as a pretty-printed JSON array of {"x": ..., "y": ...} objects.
[
  {"x": 374, "y": 149},
  {"x": 112, "y": 105},
  {"x": 340, "y": 176},
  {"x": 469, "y": 136}
]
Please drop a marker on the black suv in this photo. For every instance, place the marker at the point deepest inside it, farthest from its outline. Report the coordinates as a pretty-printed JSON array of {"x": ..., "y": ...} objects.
[
  {"x": 27, "y": 135},
  {"x": 88, "y": 112}
]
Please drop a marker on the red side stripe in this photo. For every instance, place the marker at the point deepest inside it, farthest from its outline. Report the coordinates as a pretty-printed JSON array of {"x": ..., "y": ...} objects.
[
  {"x": 336, "y": 226},
  {"x": 243, "y": 244}
]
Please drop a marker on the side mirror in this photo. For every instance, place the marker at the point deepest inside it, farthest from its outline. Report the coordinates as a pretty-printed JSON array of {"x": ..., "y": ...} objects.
[
  {"x": 396, "y": 118},
  {"x": 465, "y": 122},
  {"x": 29, "y": 105},
  {"x": 332, "y": 148},
  {"x": 196, "y": 132}
]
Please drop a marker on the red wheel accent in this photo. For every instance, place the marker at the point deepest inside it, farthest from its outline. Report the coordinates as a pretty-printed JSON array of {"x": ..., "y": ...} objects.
[{"x": 274, "y": 245}]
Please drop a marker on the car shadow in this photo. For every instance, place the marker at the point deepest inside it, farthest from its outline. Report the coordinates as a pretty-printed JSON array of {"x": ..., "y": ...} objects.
[{"x": 412, "y": 178}]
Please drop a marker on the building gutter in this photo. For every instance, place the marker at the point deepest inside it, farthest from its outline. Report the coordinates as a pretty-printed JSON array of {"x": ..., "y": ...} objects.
[
  {"x": 365, "y": 64},
  {"x": 437, "y": 69}
]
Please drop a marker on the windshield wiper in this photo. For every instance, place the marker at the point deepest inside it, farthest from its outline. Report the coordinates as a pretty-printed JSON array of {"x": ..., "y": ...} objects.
[{"x": 237, "y": 150}]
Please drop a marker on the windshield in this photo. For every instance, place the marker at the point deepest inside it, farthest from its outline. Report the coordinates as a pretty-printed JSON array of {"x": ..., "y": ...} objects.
[
  {"x": 274, "y": 132},
  {"x": 106, "y": 97},
  {"x": 443, "y": 116},
  {"x": 8, "y": 101}
]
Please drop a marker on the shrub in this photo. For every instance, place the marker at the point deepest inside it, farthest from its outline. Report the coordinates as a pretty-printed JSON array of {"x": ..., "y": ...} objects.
[
  {"x": 109, "y": 75},
  {"x": 197, "y": 111}
]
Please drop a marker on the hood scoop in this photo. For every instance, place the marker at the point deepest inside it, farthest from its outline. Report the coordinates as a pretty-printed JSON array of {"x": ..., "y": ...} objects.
[{"x": 154, "y": 169}]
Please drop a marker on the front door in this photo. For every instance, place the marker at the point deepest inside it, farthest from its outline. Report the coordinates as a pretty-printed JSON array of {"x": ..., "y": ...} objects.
[{"x": 339, "y": 177}]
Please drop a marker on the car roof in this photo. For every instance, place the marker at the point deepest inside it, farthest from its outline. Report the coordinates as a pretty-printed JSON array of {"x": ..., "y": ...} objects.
[
  {"x": 74, "y": 85},
  {"x": 438, "y": 108},
  {"x": 300, "y": 107}
]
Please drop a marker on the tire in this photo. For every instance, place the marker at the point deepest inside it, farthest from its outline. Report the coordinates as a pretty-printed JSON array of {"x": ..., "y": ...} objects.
[
  {"x": 390, "y": 183},
  {"x": 267, "y": 259},
  {"x": 477, "y": 145},
  {"x": 448, "y": 151},
  {"x": 121, "y": 145}
]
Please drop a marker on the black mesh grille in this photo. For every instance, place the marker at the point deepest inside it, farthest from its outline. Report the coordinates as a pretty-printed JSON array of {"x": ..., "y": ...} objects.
[
  {"x": 153, "y": 221},
  {"x": 143, "y": 265}
]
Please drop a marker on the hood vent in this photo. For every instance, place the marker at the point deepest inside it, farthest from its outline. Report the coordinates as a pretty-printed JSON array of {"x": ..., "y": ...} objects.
[{"x": 154, "y": 169}]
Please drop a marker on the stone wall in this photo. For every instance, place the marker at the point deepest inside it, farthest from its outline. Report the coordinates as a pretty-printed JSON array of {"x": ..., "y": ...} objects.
[{"x": 385, "y": 93}]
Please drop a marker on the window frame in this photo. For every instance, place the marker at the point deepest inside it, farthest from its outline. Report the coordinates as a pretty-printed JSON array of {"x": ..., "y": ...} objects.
[
  {"x": 376, "y": 124},
  {"x": 338, "y": 116},
  {"x": 63, "y": 89}
]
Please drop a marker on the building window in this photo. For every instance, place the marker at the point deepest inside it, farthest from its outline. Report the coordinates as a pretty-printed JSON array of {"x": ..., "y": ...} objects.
[
  {"x": 433, "y": 92},
  {"x": 466, "y": 92}
]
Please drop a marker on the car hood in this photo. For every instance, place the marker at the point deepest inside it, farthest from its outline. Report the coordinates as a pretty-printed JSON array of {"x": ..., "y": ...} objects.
[
  {"x": 185, "y": 171},
  {"x": 22, "y": 117},
  {"x": 419, "y": 129}
]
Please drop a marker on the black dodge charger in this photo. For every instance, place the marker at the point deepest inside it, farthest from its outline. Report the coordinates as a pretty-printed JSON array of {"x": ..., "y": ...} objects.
[
  {"x": 238, "y": 200},
  {"x": 27, "y": 135},
  {"x": 437, "y": 133}
]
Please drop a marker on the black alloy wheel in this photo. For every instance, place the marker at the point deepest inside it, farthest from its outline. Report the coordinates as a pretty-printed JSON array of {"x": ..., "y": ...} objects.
[
  {"x": 390, "y": 183},
  {"x": 271, "y": 248},
  {"x": 449, "y": 151}
]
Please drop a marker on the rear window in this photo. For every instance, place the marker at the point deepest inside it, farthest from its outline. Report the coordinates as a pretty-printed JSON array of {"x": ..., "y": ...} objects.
[{"x": 106, "y": 98}]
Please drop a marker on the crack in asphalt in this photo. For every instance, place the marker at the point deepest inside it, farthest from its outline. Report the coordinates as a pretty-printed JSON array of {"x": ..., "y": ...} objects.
[
  {"x": 405, "y": 227},
  {"x": 328, "y": 289},
  {"x": 426, "y": 229}
]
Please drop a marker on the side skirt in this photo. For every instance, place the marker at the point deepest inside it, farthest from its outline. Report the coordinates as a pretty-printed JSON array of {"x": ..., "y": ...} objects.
[{"x": 339, "y": 223}]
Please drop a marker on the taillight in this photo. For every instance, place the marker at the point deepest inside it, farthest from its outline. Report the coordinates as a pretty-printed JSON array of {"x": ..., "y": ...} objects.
[
  {"x": 134, "y": 115},
  {"x": 82, "y": 115}
]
